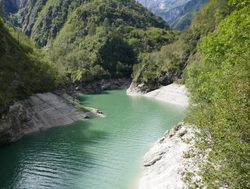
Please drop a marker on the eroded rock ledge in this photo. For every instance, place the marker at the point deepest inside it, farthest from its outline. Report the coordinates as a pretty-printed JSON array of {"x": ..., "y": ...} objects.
[
  {"x": 165, "y": 164},
  {"x": 40, "y": 112},
  {"x": 173, "y": 93}
]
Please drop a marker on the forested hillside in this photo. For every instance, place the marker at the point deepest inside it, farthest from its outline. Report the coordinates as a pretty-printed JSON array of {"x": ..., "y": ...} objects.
[
  {"x": 92, "y": 40},
  {"x": 23, "y": 69},
  {"x": 85, "y": 41},
  {"x": 218, "y": 79},
  {"x": 102, "y": 39},
  {"x": 167, "y": 65},
  {"x": 212, "y": 59},
  {"x": 39, "y": 19},
  {"x": 43, "y": 19}
]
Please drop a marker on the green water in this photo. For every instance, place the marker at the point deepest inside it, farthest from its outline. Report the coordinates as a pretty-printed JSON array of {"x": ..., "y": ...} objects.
[{"x": 103, "y": 153}]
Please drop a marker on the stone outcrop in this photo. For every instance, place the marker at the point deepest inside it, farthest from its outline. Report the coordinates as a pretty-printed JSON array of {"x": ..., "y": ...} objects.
[
  {"x": 165, "y": 164},
  {"x": 173, "y": 93},
  {"x": 39, "y": 112},
  {"x": 135, "y": 89}
]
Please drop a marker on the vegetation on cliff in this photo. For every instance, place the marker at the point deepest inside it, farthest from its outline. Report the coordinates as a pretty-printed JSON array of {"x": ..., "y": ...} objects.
[
  {"x": 167, "y": 65},
  {"x": 23, "y": 69},
  {"x": 39, "y": 19},
  {"x": 86, "y": 41},
  {"x": 213, "y": 56},
  {"x": 102, "y": 39},
  {"x": 91, "y": 40},
  {"x": 218, "y": 79},
  {"x": 42, "y": 20}
]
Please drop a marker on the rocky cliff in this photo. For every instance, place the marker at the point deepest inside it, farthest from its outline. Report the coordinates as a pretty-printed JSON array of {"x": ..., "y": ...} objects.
[
  {"x": 168, "y": 162},
  {"x": 39, "y": 19},
  {"x": 173, "y": 93},
  {"x": 39, "y": 112},
  {"x": 177, "y": 13}
]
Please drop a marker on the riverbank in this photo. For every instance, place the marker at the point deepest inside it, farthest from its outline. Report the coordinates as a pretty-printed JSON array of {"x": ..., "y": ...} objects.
[
  {"x": 41, "y": 112},
  {"x": 52, "y": 109},
  {"x": 173, "y": 93},
  {"x": 78, "y": 155},
  {"x": 168, "y": 162}
]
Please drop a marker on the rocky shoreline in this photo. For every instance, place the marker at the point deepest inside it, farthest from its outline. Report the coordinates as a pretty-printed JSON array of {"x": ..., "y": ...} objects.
[
  {"x": 173, "y": 94},
  {"x": 41, "y": 112},
  {"x": 167, "y": 162},
  {"x": 47, "y": 110},
  {"x": 164, "y": 165}
]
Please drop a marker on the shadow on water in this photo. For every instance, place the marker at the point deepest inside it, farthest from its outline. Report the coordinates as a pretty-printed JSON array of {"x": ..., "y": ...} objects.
[
  {"x": 42, "y": 151},
  {"x": 99, "y": 153},
  {"x": 84, "y": 98},
  {"x": 105, "y": 92}
]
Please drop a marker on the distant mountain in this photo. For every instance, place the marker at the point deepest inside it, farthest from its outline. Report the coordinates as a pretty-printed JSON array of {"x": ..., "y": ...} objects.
[{"x": 177, "y": 13}]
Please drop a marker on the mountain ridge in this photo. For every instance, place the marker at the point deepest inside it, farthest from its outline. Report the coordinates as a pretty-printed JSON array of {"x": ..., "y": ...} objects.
[
  {"x": 178, "y": 14},
  {"x": 90, "y": 40}
]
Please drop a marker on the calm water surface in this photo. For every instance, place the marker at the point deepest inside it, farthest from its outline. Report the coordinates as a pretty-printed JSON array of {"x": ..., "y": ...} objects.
[{"x": 103, "y": 153}]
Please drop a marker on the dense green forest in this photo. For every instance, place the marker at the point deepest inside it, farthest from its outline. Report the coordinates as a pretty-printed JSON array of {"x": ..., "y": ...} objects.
[
  {"x": 39, "y": 19},
  {"x": 85, "y": 40},
  {"x": 167, "y": 65},
  {"x": 102, "y": 39},
  {"x": 23, "y": 69},
  {"x": 91, "y": 40},
  {"x": 218, "y": 79}
]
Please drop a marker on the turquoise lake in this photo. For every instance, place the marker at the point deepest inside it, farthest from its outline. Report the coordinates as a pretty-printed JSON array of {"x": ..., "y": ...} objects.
[{"x": 101, "y": 153}]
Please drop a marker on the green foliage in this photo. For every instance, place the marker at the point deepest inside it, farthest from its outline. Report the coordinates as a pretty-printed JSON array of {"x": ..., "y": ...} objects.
[
  {"x": 148, "y": 40},
  {"x": 167, "y": 65},
  {"x": 218, "y": 79},
  {"x": 102, "y": 39},
  {"x": 91, "y": 40},
  {"x": 209, "y": 17},
  {"x": 51, "y": 19},
  {"x": 238, "y": 3},
  {"x": 43, "y": 19},
  {"x": 161, "y": 67},
  {"x": 23, "y": 70},
  {"x": 40, "y": 19}
]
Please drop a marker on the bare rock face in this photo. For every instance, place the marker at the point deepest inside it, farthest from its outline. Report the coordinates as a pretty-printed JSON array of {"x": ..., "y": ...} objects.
[
  {"x": 164, "y": 164},
  {"x": 177, "y": 13},
  {"x": 135, "y": 89},
  {"x": 38, "y": 112},
  {"x": 173, "y": 94}
]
